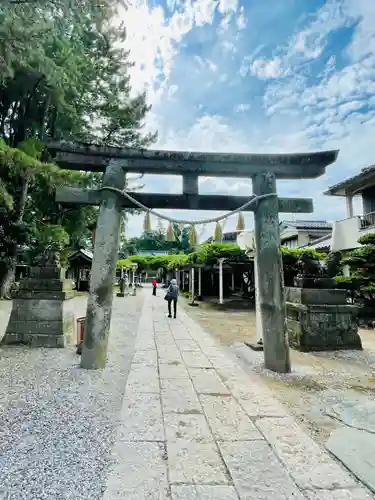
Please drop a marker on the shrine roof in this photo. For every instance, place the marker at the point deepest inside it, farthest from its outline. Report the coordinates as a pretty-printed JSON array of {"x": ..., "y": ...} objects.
[
  {"x": 90, "y": 157},
  {"x": 82, "y": 252}
]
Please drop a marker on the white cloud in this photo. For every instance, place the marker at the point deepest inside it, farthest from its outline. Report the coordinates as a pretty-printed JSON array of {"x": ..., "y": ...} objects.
[
  {"x": 152, "y": 37},
  {"x": 172, "y": 90},
  {"x": 241, "y": 19},
  {"x": 304, "y": 110},
  {"x": 309, "y": 43},
  {"x": 227, "y": 6},
  {"x": 241, "y": 108},
  {"x": 204, "y": 11},
  {"x": 267, "y": 69}
]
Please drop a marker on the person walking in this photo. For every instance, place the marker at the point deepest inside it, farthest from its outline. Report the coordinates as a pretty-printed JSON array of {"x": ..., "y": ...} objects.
[
  {"x": 172, "y": 296},
  {"x": 154, "y": 285}
]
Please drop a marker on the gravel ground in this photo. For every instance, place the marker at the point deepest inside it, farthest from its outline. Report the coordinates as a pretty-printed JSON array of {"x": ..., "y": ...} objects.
[{"x": 58, "y": 422}]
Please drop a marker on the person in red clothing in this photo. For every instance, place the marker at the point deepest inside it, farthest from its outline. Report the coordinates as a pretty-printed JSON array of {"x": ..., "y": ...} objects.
[{"x": 154, "y": 285}]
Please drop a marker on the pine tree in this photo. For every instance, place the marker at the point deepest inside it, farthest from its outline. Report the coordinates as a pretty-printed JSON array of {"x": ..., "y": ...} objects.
[{"x": 63, "y": 75}]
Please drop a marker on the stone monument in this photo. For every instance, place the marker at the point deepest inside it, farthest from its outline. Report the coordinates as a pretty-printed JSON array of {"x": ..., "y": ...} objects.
[
  {"x": 39, "y": 315},
  {"x": 318, "y": 316}
]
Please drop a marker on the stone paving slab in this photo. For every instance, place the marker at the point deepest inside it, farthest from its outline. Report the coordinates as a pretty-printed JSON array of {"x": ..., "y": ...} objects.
[
  {"x": 307, "y": 463},
  {"x": 192, "y": 426},
  {"x": 141, "y": 418},
  {"x": 194, "y": 492},
  {"x": 207, "y": 381},
  {"x": 143, "y": 379},
  {"x": 146, "y": 358},
  {"x": 139, "y": 472},
  {"x": 179, "y": 396},
  {"x": 227, "y": 419},
  {"x": 170, "y": 355},
  {"x": 195, "y": 462},
  {"x": 225, "y": 436},
  {"x": 257, "y": 473},
  {"x": 353, "y": 494}
]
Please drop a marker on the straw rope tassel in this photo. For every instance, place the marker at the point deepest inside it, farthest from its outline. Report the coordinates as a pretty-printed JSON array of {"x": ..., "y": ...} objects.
[
  {"x": 170, "y": 236},
  {"x": 147, "y": 223},
  {"x": 218, "y": 234},
  {"x": 193, "y": 236},
  {"x": 240, "y": 222}
]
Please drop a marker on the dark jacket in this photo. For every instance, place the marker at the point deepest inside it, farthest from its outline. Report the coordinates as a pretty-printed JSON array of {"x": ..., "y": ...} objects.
[{"x": 172, "y": 292}]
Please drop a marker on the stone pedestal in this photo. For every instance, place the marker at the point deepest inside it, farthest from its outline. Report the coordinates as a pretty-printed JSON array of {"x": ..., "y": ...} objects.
[
  {"x": 321, "y": 320},
  {"x": 39, "y": 316}
]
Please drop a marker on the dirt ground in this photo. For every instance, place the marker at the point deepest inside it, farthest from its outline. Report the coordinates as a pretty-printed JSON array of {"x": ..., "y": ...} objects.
[{"x": 317, "y": 381}]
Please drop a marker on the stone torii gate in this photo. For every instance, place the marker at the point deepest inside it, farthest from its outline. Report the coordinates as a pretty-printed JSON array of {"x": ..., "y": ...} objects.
[{"x": 262, "y": 169}]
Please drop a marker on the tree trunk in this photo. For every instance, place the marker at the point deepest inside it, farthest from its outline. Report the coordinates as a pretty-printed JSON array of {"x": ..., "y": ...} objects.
[
  {"x": 8, "y": 280},
  {"x": 9, "y": 276}
]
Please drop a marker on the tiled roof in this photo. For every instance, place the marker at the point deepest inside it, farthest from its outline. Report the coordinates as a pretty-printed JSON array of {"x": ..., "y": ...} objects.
[
  {"x": 352, "y": 184},
  {"x": 320, "y": 243},
  {"x": 308, "y": 224}
]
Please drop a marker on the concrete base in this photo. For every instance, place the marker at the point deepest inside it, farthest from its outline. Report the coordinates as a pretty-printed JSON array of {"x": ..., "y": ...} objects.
[
  {"x": 255, "y": 347},
  {"x": 120, "y": 294},
  {"x": 39, "y": 316}
]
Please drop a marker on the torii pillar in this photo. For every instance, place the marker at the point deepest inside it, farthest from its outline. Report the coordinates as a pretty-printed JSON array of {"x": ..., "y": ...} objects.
[
  {"x": 269, "y": 273},
  {"x": 99, "y": 303}
]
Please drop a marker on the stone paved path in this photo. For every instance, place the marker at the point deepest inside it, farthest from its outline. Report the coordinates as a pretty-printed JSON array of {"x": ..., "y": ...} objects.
[{"x": 195, "y": 426}]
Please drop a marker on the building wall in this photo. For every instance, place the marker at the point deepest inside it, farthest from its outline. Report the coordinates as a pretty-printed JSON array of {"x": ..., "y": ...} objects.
[
  {"x": 368, "y": 200},
  {"x": 290, "y": 243},
  {"x": 302, "y": 238}
]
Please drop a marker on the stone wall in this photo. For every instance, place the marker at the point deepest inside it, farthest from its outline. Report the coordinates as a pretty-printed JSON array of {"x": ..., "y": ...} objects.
[{"x": 320, "y": 320}]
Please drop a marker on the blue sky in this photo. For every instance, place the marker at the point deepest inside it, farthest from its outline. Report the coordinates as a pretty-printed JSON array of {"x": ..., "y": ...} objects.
[{"x": 257, "y": 76}]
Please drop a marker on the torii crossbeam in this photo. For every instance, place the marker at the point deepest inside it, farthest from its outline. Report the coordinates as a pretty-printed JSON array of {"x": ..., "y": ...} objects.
[{"x": 262, "y": 169}]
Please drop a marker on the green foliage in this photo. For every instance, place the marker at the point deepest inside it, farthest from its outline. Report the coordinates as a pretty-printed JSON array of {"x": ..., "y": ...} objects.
[
  {"x": 65, "y": 70},
  {"x": 53, "y": 237},
  {"x": 367, "y": 239},
  {"x": 209, "y": 253},
  {"x": 156, "y": 240},
  {"x": 40, "y": 209},
  {"x": 333, "y": 264},
  {"x": 290, "y": 259},
  {"x": 348, "y": 282},
  {"x": 177, "y": 262},
  {"x": 362, "y": 266},
  {"x": 65, "y": 76},
  {"x": 125, "y": 263}
]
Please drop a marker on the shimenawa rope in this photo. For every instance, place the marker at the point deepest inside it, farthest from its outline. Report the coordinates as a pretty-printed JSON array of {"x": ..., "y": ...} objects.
[{"x": 253, "y": 199}]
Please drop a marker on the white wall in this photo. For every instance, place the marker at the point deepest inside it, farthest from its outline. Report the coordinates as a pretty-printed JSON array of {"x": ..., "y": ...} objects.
[{"x": 345, "y": 234}]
